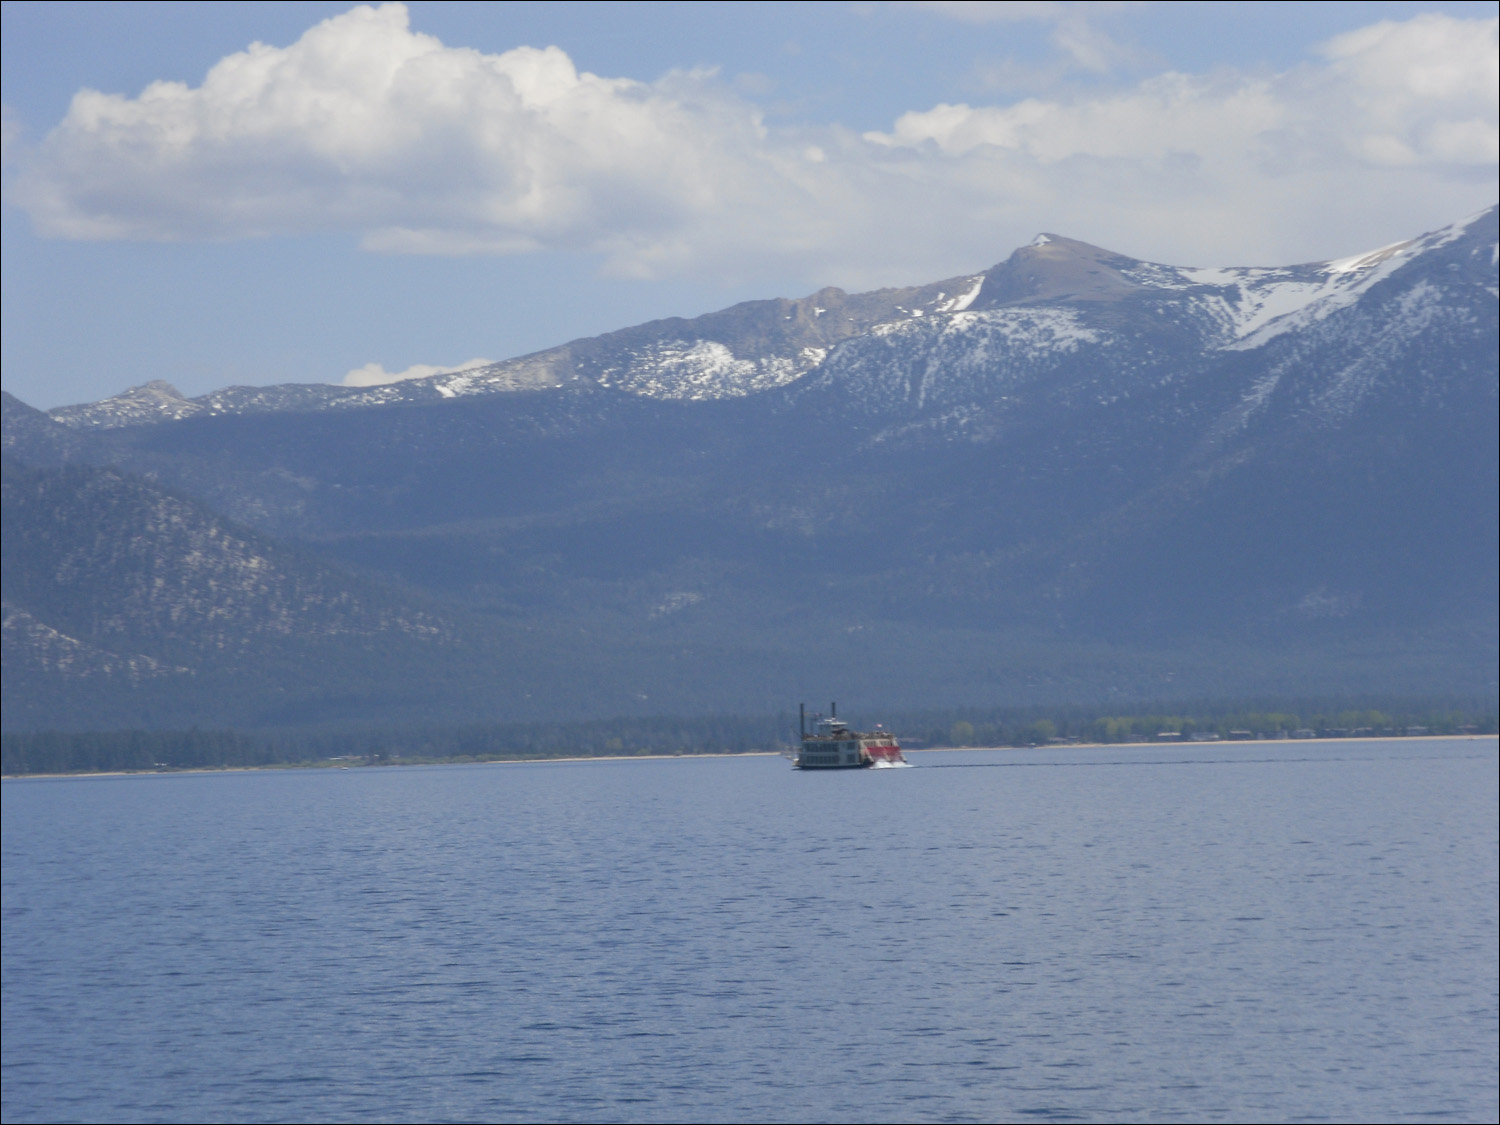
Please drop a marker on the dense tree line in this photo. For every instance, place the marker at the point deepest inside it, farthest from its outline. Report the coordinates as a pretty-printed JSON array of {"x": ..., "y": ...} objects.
[
  {"x": 108, "y": 751},
  {"x": 98, "y": 751},
  {"x": 1240, "y": 724}
]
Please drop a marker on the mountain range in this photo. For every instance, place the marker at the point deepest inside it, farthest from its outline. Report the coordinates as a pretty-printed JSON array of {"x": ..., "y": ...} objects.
[{"x": 1076, "y": 475}]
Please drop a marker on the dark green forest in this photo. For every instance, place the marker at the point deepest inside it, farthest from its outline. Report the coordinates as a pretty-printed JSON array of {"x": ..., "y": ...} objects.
[{"x": 55, "y": 752}]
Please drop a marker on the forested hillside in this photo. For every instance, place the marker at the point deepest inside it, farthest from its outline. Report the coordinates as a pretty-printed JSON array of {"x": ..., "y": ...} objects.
[{"x": 1077, "y": 476}]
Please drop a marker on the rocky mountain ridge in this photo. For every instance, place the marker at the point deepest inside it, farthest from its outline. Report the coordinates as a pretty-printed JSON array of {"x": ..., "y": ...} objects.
[
  {"x": 743, "y": 350},
  {"x": 763, "y": 345},
  {"x": 1075, "y": 476}
]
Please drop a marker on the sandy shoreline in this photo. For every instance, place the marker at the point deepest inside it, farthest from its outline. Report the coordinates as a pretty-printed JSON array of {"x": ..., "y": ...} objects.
[{"x": 327, "y": 764}]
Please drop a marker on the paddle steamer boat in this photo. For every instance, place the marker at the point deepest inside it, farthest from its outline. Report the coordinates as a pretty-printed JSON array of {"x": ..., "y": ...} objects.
[{"x": 831, "y": 745}]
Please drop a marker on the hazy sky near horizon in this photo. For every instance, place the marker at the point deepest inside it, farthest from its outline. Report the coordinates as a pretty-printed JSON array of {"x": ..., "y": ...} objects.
[{"x": 304, "y": 192}]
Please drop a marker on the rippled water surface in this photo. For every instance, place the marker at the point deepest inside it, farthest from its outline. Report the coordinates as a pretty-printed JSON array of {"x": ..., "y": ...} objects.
[{"x": 1251, "y": 933}]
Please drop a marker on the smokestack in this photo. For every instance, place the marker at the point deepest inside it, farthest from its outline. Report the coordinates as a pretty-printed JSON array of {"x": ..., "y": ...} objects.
[{"x": 802, "y": 720}]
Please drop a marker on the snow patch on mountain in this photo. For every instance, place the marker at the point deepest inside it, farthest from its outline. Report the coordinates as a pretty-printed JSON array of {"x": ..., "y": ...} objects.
[
  {"x": 1043, "y": 329},
  {"x": 965, "y": 299},
  {"x": 1269, "y": 308},
  {"x": 944, "y": 360},
  {"x": 1256, "y": 305},
  {"x": 695, "y": 370}
]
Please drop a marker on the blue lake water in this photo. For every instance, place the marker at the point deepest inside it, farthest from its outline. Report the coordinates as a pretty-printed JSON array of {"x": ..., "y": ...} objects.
[{"x": 1218, "y": 933}]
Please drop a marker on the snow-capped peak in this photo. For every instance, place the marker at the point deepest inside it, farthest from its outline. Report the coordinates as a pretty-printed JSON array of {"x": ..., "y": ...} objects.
[
  {"x": 1049, "y": 298},
  {"x": 1255, "y": 305}
]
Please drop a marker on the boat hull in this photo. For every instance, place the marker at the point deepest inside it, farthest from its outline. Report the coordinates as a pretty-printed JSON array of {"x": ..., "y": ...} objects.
[
  {"x": 835, "y": 766},
  {"x": 821, "y": 754}
]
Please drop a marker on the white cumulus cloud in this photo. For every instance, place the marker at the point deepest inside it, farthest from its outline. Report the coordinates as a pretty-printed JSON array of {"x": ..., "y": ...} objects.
[
  {"x": 364, "y": 125},
  {"x": 1396, "y": 113},
  {"x": 375, "y": 375}
]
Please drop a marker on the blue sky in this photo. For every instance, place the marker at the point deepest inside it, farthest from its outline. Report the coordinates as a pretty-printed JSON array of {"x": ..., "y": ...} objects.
[{"x": 403, "y": 187}]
